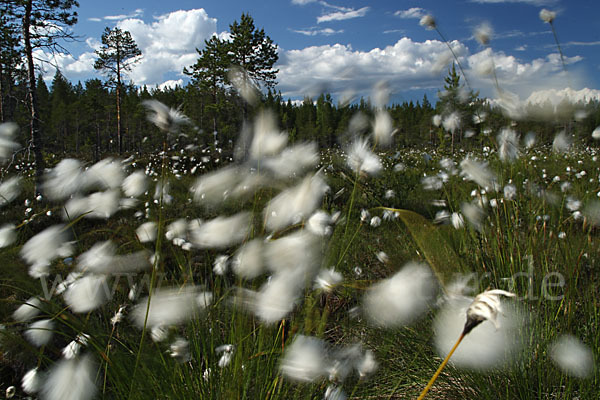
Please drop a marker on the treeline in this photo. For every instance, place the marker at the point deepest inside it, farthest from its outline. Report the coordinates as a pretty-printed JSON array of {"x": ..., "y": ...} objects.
[
  {"x": 81, "y": 118},
  {"x": 97, "y": 118}
]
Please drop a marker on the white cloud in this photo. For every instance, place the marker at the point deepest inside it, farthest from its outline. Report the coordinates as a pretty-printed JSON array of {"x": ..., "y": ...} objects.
[
  {"x": 410, "y": 65},
  {"x": 336, "y": 68},
  {"x": 556, "y": 96},
  {"x": 168, "y": 44},
  {"x": 414, "y": 12},
  {"x": 137, "y": 13},
  {"x": 394, "y": 31},
  {"x": 532, "y": 2},
  {"x": 302, "y": 2},
  {"x": 73, "y": 68},
  {"x": 170, "y": 84},
  {"x": 343, "y": 15},
  {"x": 94, "y": 19},
  {"x": 575, "y": 43},
  {"x": 315, "y": 32}
]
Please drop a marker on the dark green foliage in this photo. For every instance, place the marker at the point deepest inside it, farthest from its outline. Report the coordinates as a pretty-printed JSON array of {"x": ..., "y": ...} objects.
[
  {"x": 116, "y": 56},
  {"x": 253, "y": 51}
]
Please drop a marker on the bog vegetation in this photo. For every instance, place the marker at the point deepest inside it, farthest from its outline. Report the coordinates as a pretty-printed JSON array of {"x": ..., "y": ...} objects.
[{"x": 226, "y": 243}]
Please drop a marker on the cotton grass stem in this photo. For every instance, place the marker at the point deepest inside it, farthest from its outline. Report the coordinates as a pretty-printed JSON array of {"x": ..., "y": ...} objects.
[
  {"x": 562, "y": 57},
  {"x": 456, "y": 58},
  {"x": 153, "y": 277},
  {"x": 441, "y": 367}
]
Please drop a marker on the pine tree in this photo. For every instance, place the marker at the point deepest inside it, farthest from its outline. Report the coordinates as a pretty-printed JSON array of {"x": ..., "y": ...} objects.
[
  {"x": 253, "y": 51},
  {"x": 210, "y": 71},
  {"x": 118, "y": 54},
  {"x": 10, "y": 59},
  {"x": 44, "y": 24}
]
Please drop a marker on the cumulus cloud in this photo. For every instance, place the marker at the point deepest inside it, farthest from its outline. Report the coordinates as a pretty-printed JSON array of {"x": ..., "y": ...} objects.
[
  {"x": 70, "y": 66},
  {"x": 343, "y": 15},
  {"x": 406, "y": 65},
  {"x": 411, "y": 65},
  {"x": 414, "y": 12},
  {"x": 169, "y": 43}
]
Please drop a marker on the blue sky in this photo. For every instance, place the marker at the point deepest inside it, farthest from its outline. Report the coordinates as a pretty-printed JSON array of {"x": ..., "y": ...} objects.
[{"x": 346, "y": 47}]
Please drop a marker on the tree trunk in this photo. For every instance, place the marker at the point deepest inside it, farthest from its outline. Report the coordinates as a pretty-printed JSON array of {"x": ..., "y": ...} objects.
[
  {"x": 1, "y": 94},
  {"x": 36, "y": 134},
  {"x": 119, "y": 136}
]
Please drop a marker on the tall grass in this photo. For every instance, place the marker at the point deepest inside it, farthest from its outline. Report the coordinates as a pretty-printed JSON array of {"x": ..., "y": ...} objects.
[{"x": 527, "y": 236}]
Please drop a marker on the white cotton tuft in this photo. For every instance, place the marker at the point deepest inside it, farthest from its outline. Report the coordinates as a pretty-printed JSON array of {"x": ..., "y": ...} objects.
[
  {"x": 362, "y": 159},
  {"x": 169, "y": 306},
  {"x": 41, "y": 249},
  {"x": 483, "y": 33},
  {"x": 295, "y": 204},
  {"x": 72, "y": 349},
  {"x": 8, "y": 131},
  {"x": 165, "y": 118},
  {"x": 7, "y": 235},
  {"x": 64, "y": 180},
  {"x": 562, "y": 142},
  {"x": 220, "y": 265},
  {"x": 276, "y": 298},
  {"x": 180, "y": 350},
  {"x": 474, "y": 214},
  {"x": 146, "y": 232},
  {"x": 508, "y": 145},
  {"x": 135, "y": 184},
  {"x": 75, "y": 207},
  {"x": 400, "y": 299},
  {"x": 479, "y": 173},
  {"x": 220, "y": 232},
  {"x": 214, "y": 187},
  {"x": 105, "y": 174},
  {"x": 28, "y": 310},
  {"x": 177, "y": 229},
  {"x": 98, "y": 258},
  {"x": 32, "y": 381},
  {"x": 293, "y": 160},
  {"x": 319, "y": 223},
  {"x": 304, "y": 360},
  {"x": 70, "y": 380},
  {"x": 383, "y": 128},
  {"x": 87, "y": 293},
  {"x": 428, "y": 22},
  {"x": 40, "y": 332},
  {"x": 103, "y": 204},
  {"x": 268, "y": 140},
  {"x": 296, "y": 252},
  {"x": 547, "y": 15},
  {"x": 9, "y": 190},
  {"x": 572, "y": 357},
  {"x": 529, "y": 140},
  {"x": 485, "y": 346},
  {"x": 451, "y": 123},
  {"x": 248, "y": 262},
  {"x": 327, "y": 279},
  {"x": 227, "y": 356}
]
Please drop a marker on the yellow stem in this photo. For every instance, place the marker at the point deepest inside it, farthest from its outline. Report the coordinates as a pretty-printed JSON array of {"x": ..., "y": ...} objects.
[{"x": 441, "y": 367}]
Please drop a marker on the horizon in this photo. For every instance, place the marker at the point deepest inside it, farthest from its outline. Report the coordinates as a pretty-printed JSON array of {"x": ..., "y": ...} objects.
[{"x": 329, "y": 48}]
